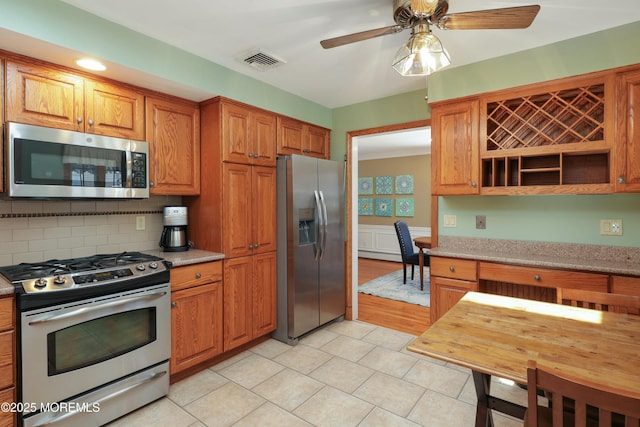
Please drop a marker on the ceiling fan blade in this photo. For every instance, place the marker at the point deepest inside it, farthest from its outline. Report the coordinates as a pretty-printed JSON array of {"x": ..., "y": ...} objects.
[
  {"x": 363, "y": 35},
  {"x": 506, "y": 18}
]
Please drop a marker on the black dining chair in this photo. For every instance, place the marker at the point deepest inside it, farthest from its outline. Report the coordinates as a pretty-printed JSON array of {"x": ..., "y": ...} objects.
[{"x": 406, "y": 249}]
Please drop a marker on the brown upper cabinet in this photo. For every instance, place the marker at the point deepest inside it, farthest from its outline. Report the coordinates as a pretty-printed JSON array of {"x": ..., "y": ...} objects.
[
  {"x": 46, "y": 96},
  {"x": 627, "y": 159},
  {"x": 173, "y": 133},
  {"x": 296, "y": 137},
  {"x": 248, "y": 134},
  {"x": 454, "y": 157},
  {"x": 576, "y": 135}
]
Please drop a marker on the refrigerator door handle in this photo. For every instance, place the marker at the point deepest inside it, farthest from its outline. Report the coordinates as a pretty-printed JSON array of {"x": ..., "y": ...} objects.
[
  {"x": 319, "y": 227},
  {"x": 325, "y": 222}
]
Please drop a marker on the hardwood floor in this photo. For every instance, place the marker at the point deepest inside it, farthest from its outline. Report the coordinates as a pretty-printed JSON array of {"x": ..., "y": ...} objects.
[{"x": 401, "y": 316}]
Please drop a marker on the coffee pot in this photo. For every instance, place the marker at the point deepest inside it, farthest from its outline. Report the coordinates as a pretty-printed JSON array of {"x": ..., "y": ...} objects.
[{"x": 174, "y": 237}]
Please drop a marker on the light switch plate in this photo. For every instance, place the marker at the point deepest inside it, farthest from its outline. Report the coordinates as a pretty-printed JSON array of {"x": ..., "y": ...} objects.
[
  {"x": 140, "y": 223},
  {"x": 449, "y": 221}
]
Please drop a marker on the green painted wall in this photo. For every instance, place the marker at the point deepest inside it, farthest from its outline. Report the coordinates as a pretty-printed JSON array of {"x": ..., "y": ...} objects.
[{"x": 63, "y": 25}]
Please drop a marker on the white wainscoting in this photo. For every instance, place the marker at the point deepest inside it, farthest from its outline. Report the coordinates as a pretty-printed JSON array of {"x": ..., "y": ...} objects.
[{"x": 381, "y": 241}]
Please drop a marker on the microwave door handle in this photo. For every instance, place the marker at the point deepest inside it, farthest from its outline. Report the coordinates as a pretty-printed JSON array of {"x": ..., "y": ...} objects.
[
  {"x": 129, "y": 170},
  {"x": 84, "y": 310}
]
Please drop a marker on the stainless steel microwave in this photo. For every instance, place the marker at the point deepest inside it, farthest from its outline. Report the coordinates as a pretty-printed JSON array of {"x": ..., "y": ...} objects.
[{"x": 52, "y": 163}]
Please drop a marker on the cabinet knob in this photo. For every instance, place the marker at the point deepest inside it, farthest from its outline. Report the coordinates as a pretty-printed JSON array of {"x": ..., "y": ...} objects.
[
  {"x": 620, "y": 180},
  {"x": 251, "y": 247},
  {"x": 256, "y": 246},
  {"x": 151, "y": 183},
  {"x": 537, "y": 277},
  {"x": 79, "y": 120},
  {"x": 90, "y": 122},
  {"x": 174, "y": 304},
  {"x": 198, "y": 275},
  {"x": 452, "y": 268},
  {"x": 474, "y": 184}
]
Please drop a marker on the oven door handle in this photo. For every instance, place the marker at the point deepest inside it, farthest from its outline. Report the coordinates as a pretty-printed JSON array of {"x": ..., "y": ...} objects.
[
  {"x": 84, "y": 310},
  {"x": 110, "y": 396}
]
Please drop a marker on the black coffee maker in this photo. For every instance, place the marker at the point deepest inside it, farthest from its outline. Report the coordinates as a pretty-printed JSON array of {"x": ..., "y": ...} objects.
[{"x": 174, "y": 237}]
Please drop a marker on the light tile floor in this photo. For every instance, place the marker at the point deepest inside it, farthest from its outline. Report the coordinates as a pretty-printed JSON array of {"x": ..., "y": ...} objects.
[{"x": 347, "y": 374}]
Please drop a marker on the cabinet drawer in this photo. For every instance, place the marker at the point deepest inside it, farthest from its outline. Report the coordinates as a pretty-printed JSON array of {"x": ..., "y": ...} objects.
[
  {"x": 543, "y": 277},
  {"x": 7, "y": 418},
  {"x": 625, "y": 285},
  {"x": 195, "y": 274},
  {"x": 454, "y": 268},
  {"x": 6, "y": 359},
  {"x": 7, "y": 313}
]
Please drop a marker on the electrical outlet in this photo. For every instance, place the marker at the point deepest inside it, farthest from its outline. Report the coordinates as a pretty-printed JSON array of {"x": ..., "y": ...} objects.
[
  {"x": 449, "y": 221},
  {"x": 611, "y": 227},
  {"x": 140, "y": 223},
  {"x": 481, "y": 222}
]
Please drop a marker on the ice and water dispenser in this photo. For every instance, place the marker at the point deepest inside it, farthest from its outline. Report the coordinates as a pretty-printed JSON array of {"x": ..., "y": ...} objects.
[{"x": 306, "y": 227}]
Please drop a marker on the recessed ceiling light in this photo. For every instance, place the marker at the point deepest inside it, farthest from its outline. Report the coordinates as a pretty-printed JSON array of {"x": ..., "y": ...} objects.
[{"x": 91, "y": 64}]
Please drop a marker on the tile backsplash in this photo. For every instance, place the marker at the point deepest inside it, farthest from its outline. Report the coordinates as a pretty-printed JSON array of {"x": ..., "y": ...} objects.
[{"x": 39, "y": 230}]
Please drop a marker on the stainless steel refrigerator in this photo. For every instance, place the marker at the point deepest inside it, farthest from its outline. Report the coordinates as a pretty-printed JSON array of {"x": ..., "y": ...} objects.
[{"x": 310, "y": 257}]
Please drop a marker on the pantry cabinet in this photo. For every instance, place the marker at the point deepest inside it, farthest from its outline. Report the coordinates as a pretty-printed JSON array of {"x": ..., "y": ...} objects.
[
  {"x": 248, "y": 135},
  {"x": 249, "y": 298},
  {"x": 47, "y": 96},
  {"x": 297, "y": 137},
  {"x": 173, "y": 133},
  {"x": 196, "y": 314},
  {"x": 7, "y": 358}
]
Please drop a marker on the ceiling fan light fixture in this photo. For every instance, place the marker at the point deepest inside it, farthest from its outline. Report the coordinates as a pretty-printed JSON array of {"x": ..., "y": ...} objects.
[{"x": 422, "y": 55}]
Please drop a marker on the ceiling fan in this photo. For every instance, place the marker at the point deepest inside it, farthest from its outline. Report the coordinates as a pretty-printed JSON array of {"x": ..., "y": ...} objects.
[{"x": 424, "y": 54}]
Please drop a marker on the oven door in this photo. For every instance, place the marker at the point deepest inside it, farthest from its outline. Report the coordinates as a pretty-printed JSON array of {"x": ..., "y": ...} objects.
[{"x": 72, "y": 348}]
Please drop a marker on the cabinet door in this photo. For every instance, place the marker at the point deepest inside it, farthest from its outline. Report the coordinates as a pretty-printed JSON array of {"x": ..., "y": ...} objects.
[
  {"x": 238, "y": 214},
  {"x": 290, "y": 135},
  {"x": 263, "y": 138},
  {"x": 237, "y": 303},
  {"x": 263, "y": 209},
  {"x": 173, "y": 132},
  {"x": 113, "y": 111},
  {"x": 445, "y": 293},
  {"x": 455, "y": 161},
  {"x": 43, "y": 96},
  {"x": 236, "y": 122},
  {"x": 316, "y": 142},
  {"x": 196, "y": 325},
  {"x": 264, "y": 294},
  {"x": 7, "y": 339},
  {"x": 627, "y": 155},
  {"x": 7, "y": 418}
]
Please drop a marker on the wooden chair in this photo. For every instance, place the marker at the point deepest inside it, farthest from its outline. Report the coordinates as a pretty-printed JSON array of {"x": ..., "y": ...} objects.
[
  {"x": 593, "y": 404},
  {"x": 409, "y": 256},
  {"x": 603, "y": 301}
]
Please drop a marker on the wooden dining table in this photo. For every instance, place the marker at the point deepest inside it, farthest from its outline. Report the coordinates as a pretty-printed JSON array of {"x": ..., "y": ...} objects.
[
  {"x": 496, "y": 335},
  {"x": 422, "y": 243}
]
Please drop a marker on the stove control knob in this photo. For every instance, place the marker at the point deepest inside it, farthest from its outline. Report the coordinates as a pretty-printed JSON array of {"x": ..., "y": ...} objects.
[
  {"x": 59, "y": 280},
  {"x": 140, "y": 267},
  {"x": 153, "y": 265},
  {"x": 40, "y": 283}
]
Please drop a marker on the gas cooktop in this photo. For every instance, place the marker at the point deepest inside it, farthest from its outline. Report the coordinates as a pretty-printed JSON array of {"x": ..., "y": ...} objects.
[{"x": 56, "y": 274}]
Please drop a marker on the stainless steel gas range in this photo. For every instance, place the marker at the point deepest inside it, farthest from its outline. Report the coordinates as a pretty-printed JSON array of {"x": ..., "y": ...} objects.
[{"x": 94, "y": 337}]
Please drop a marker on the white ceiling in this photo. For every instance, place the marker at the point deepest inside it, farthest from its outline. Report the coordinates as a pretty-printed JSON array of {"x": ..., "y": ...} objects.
[
  {"x": 225, "y": 31},
  {"x": 402, "y": 143}
]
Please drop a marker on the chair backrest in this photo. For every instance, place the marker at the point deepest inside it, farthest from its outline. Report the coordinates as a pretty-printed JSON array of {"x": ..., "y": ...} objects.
[
  {"x": 605, "y": 402},
  {"x": 404, "y": 238},
  {"x": 603, "y": 301}
]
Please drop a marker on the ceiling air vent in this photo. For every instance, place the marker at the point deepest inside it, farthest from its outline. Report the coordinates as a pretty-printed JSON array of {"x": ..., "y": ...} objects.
[{"x": 261, "y": 60}]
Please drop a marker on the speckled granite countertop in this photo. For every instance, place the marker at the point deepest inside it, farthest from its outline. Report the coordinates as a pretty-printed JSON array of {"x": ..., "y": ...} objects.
[
  {"x": 192, "y": 256},
  {"x": 595, "y": 258}
]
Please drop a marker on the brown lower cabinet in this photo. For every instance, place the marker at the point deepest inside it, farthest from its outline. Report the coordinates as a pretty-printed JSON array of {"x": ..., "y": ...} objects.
[
  {"x": 196, "y": 314},
  {"x": 249, "y": 298},
  {"x": 7, "y": 362},
  {"x": 451, "y": 278}
]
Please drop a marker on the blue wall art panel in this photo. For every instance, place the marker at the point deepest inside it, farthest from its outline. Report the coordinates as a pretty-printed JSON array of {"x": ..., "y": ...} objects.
[
  {"x": 365, "y": 185},
  {"x": 384, "y": 185},
  {"x": 365, "y": 206},
  {"x": 404, "y": 206},
  {"x": 384, "y": 206},
  {"x": 404, "y": 184}
]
